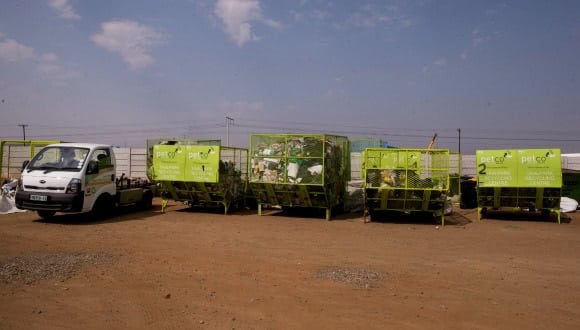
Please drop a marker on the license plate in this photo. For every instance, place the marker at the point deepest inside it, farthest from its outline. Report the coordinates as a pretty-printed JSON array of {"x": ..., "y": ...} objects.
[{"x": 39, "y": 198}]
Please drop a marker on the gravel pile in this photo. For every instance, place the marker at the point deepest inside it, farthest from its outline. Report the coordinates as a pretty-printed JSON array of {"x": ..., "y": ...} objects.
[
  {"x": 359, "y": 277},
  {"x": 33, "y": 268}
]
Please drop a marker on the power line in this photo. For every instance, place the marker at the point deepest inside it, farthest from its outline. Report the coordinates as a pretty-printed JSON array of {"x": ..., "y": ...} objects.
[
  {"x": 395, "y": 136},
  {"x": 348, "y": 129}
]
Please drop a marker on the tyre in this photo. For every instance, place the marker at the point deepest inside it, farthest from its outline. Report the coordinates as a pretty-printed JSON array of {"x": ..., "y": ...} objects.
[
  {"x": 46, "y": 214},
  {"x": 103, "y": 207}
]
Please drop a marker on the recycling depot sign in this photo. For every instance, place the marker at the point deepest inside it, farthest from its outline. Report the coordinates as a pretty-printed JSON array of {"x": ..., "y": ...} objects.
[
  {"x": 191, "y": 163},
  {"x": 393, "y": 158},
  {"x": 519, "y": 168}
]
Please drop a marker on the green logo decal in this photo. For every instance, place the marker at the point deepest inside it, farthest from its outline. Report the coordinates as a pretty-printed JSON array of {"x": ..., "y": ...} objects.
[
  {"x": 519, "y": 168},
  {"x": 197, "y": 163}
]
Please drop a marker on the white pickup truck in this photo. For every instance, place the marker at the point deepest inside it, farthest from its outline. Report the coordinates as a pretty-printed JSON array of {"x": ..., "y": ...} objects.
[{"x": 78, "y": 177}]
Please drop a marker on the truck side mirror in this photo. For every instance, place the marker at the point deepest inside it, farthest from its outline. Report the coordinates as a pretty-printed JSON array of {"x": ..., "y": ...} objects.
[
  {"x": 93, "y": 167},
  {"x": 24, "y": 163}
]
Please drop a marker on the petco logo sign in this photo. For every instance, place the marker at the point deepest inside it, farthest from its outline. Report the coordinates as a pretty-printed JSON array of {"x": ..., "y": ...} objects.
[
  {"x": 495, "y": 159},
  {"x": 539, "y": 159}
]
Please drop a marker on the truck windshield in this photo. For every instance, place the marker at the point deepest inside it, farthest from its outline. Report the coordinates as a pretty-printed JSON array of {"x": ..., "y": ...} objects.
[{"x": 59, "y": 158}]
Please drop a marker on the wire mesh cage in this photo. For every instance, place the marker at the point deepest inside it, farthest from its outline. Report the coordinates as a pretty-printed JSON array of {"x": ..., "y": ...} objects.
[
  {"x": 299, "y": 170},
  {"x": 405, "y": 179}
]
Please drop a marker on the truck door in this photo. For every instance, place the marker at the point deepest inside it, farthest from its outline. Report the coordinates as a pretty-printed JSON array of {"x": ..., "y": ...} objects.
[{"x": 100, "y": 181}]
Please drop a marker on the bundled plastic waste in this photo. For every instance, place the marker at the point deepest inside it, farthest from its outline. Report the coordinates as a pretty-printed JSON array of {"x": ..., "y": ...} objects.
[
  {"x": 300, "y": 160},
  {"x": 299, "y": 170},
  {"x": 7, "y": 202}
]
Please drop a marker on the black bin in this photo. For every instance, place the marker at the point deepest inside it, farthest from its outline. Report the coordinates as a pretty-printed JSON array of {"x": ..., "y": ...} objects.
[{"x": 468, "y": 193}]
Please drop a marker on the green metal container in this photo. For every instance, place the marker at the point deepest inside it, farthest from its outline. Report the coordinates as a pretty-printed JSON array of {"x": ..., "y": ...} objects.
[
  {"x": 299, "y": 170},
  {"x": 405, "y": 180},
  {"x": 519, "y": 180},
  {"x": 199, "y": 174}
]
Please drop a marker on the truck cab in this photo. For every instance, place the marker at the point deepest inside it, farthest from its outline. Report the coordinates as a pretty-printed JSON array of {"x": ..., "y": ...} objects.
[{"x": 74, "y": 177}]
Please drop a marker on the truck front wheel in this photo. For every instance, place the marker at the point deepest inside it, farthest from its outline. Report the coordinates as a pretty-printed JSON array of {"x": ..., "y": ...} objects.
[
  {"x": 46, "y": 214},
  {"x": 103, "y": 207}
]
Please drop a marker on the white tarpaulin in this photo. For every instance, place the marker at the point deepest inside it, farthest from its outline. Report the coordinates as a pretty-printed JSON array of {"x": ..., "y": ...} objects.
[{"x": 568, "y": 205}]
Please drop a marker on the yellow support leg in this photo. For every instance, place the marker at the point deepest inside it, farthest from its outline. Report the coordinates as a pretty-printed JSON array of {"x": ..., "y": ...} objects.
[{"x": 163, "y": 204}]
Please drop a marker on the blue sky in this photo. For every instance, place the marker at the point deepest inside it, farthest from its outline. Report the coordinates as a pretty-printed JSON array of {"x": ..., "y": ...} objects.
[{"x": 507, "y": 73}]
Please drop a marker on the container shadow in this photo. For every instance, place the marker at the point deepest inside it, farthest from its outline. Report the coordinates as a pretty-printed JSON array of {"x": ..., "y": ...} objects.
[
  {"x": 122, "y": 214},
  {"x": 417, "y": 218},
  {"x": 310, "y": 213},
  {"x": 525, "y": 216}
]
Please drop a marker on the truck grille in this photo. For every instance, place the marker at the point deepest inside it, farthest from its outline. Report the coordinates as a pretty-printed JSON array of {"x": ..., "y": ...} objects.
[{"x": 27, "y": 187}]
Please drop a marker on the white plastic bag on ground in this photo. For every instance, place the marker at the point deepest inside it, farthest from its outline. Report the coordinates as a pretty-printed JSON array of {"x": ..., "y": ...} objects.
[
  {"x": 568, "y": 204},
  {"x": 7, "y": 202},
  {"x": 8, "y": 205}
]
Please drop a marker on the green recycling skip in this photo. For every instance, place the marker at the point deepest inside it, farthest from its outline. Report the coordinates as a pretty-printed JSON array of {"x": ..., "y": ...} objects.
[
  {"x": 519, "y": 168},
  {"x": 192, "y": 163}
]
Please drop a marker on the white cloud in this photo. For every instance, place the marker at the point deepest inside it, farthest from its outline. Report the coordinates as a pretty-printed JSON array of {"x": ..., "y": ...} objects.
[
  {"x": 12, "y": 51},
  {"x": 50, "y": 65},
  {"x": 478, "y": 38},
  {"x": 316, "y": 11},
  {"x": 131, "y": 40},
  {"x": 371, "y": 16},
  {"x": 438, "y": 63},
  {"x": 237, "y": 16},
  {"x": 64, "y": 9},
  {"x": 319, "y": 15},
  {"x": 315, "y": 15},
  {"x": 47, "y": 64}
]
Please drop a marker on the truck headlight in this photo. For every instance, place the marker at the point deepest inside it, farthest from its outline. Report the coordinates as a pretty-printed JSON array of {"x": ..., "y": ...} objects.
[{"x": 74, "y": 186}]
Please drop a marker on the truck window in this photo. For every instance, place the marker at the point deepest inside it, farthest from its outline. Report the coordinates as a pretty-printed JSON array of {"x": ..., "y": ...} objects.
[
  {"x": 67, "y": 158},
  {"x": 102, "y": 157}
]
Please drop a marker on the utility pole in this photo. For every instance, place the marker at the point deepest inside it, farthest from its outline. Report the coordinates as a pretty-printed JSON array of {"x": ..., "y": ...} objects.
[
  {"x": 229, "y": 121},
  {"x": 459, "y": 141},
  {"x": 23, "y": 131}
]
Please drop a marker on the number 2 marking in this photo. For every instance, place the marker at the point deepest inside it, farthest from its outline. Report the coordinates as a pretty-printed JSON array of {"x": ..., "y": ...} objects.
[{"x": 483, "y": 167}]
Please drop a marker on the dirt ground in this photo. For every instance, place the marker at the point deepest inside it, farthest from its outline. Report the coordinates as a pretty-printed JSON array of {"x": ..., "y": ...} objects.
[{"x": 187, "y": 269}]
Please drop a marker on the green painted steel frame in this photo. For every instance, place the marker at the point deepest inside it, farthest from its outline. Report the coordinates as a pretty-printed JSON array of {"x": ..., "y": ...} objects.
[
  {"x": 515, "y": 198},
  {"x": 518, "y": 199},
  {"x": 382, "y": 192},
  {"x": 328, "y": 194},
  {"x": 202, "y": 193}
]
